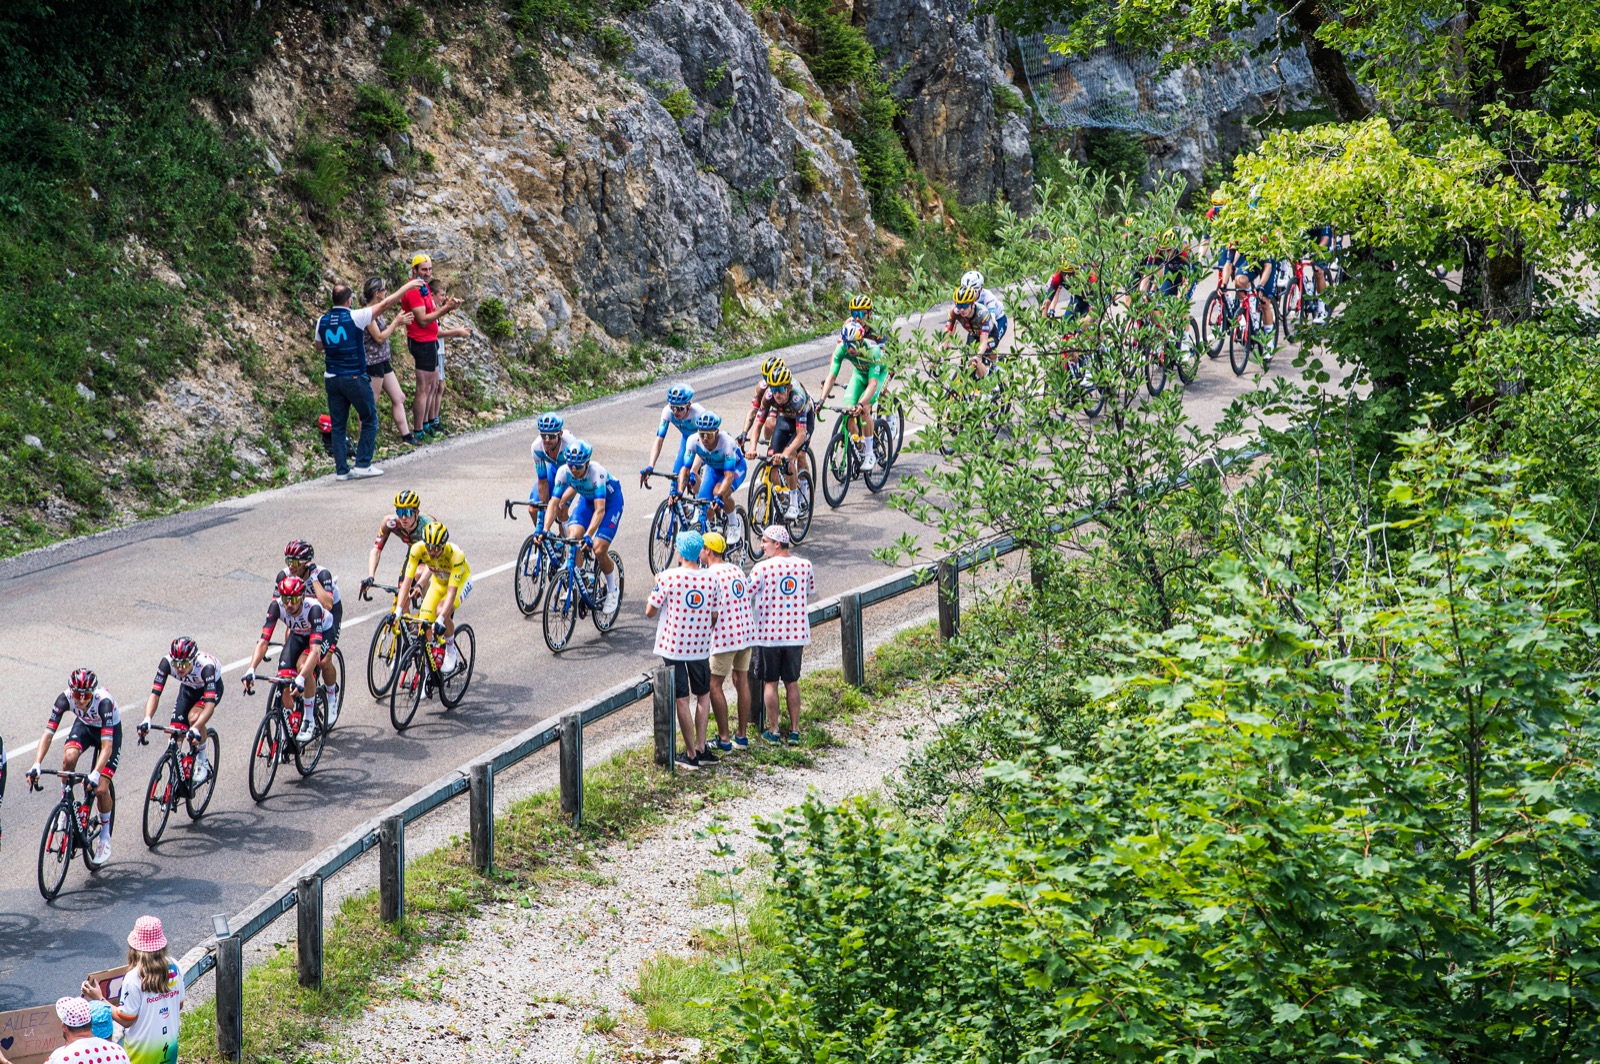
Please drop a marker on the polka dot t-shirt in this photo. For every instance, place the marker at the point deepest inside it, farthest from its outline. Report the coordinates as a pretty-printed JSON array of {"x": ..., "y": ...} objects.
[
  {"x": 782, "y": 590},
  {"x": 686, "y": 598},
  {"x": 736, "y": 620},
  {"x": 89, "y": 1051}
]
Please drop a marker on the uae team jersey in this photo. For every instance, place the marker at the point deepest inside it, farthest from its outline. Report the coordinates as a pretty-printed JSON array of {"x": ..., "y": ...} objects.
[
  {"x": 686, "y": 598},
  {"x": 781, "y": 590},
  {"x": 736, "y": 621}
]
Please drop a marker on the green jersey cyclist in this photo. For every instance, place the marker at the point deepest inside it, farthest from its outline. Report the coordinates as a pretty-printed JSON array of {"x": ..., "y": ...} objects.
[{"x": 869, "y": 367}]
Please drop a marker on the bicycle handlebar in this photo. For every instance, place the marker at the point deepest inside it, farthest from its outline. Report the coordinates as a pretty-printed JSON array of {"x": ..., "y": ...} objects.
[
  {"x": 69, "y": 777},
  {"x": 512, "y": 504}
]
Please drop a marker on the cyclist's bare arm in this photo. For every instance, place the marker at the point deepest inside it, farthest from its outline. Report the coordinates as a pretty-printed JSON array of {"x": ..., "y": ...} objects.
[
  {"x": 655, "y": 451},
  {"x": 150, "y": 705},
  {"x": 552, "y": 521},
  {"x": 684, "y": 473}
]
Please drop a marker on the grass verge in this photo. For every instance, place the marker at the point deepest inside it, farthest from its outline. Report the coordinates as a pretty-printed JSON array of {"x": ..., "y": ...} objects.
[{"x": 535, "y": 849}]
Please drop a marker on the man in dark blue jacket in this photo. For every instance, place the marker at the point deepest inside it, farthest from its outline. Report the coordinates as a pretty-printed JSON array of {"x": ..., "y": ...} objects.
[{"x": 344, "y": 376}]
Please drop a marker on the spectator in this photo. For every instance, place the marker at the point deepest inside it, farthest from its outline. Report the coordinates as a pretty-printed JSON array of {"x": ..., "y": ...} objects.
[
  {"x": 379, "y": 369},
  {"x": 781, "y": 587},
  {"x": 686, "y": 598},
  {"x": 82, "y": 1047},
  {"x": 731, "y": 640},
  {"x": 101, "y": 1025},
  {"x": 422, "y": 338},
  {"x": 152, "y": 996},
  {"x": 339, "y": 338}
]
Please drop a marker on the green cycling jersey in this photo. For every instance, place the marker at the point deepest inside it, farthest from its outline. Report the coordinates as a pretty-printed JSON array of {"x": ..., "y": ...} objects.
[{"x": 867, "y": 358}]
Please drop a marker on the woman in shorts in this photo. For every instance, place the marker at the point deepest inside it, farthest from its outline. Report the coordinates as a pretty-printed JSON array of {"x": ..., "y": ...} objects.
[{"x": 379, "y": 369}]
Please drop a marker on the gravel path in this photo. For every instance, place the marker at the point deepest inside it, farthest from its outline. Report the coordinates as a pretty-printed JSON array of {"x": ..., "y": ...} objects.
[{"x": 525, "y": 983}]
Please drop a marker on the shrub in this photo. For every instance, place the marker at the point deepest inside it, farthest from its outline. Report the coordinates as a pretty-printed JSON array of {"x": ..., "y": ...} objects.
[
  {"x": 1008, "y": 101},
  {"x": 679, "y": 104},
  {"x": 612, "y": 42},
  {"x": 379, "y": 111},
  {"x": 1115, "y": 153},
  {"x": 322, "y": 177},
  {"x": 805, "y": 168},
  {"x": 495, "y": 321}
]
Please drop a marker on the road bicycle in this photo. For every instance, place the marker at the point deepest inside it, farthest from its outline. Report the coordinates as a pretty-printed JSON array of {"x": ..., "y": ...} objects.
[
  {"x": 172, "y": 780},
  {"x": 384, "y": 649},
  {"x": 842, "y": 461},
  {"x": 575, "y": 593},
  {"x": 74, "y": 826},
  {"x": 1160, "y": 344},
  {"x": 421, "y": 671},
  {"x": 1293, "y": 308},
  {"x": 1217, "y": 315},
  {"x": 537, "y": 560},
  {"x": 767, "y": 500},
  {"x": 1248, "y": 335},
  {"x": 276, "y": 739},
  {"x": 681, "y": 511}
]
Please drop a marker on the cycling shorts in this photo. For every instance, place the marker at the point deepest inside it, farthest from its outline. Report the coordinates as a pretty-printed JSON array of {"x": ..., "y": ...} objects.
[
  {"x": 87, "y": 737},
  {"x": 435, "y": 595},
  {"x": 1231, "y": 255},
  {"x": 1254, "y": 271},
  {"x": 996, "y": 334},
  {"x": 784, "y": 434},
  {"x": 858, "y": 387},
  {"x": 713, "y": 477},
  {"x": 683, "y": 452},
  {"x": 583, "y": 513},
  {"x": 295, "y": 644},
  {"x": 187, "y": 697}
]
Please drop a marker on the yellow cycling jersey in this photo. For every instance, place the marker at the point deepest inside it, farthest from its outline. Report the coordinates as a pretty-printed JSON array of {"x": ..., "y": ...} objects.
[{"x": 454, "y": 562}]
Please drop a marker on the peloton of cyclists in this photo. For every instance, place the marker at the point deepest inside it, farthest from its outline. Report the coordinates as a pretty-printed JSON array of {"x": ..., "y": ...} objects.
[
  {"x": 304, "y": 622},
  {"x": 199, "y": 690},
  {"x": 594, "y": 516},
  {"x": 299, "y": 559},
  {"x": 98, "y": 723}
]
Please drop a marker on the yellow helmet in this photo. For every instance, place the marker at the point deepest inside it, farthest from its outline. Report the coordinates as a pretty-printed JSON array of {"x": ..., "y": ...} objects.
[
  {"x": 860, "y": 303},
  {"x": 407, "y": 500},
  {"x": 1218, "y": 198},
  {"x": 436, "y": 538},
  {"x": 1169, "y": 238},
  {"x": 778, "y": 376},
  {"x": 418, "y": 259},
  {"x": 966, "y": 295}
]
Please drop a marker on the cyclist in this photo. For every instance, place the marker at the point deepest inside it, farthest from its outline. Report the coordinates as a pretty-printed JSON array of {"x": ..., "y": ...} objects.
[
  {"x": 758, "y": 408},
  {"x": 303, "y": 623},
  {"x": 1064, "y": 297},
  {"x": 199, "y": 691},
  {"x": 861, "y": 310},
  {"x": 793, "y": 419},
  {"x": 408, "y": 522},
  {"x": 549, "y": 455},
  {"x": 1322, "y": 237},
  {"x": 597, "y": 513},
  {"x": 96, "y": 722},
  {"x": 449, "y": 584},
  {"x": 981, "y": 314},
  {"x": 719, "y": 453},
  {"x": 299, "y": 559},
  {"x": 681, "y": 413},
  {"x": 869, "y": 370}
]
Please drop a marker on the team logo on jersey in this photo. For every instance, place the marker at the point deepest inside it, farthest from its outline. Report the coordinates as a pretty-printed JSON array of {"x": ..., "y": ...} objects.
[
  {"x": 334, "y": 337},
  {"x": 736, "y": 588},
  {"x": 788, "y": 585},
  {"x": 694, "y": 598}
]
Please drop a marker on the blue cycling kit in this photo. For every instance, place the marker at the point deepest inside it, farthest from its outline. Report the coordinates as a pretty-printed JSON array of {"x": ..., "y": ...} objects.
[
  {"x": 595, "y": 483},
  {"x": 684, "y": 424},
  {"x": 724, "y": 457}
]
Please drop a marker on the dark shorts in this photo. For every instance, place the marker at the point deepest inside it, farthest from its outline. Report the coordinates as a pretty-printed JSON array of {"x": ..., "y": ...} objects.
[
  {"x": 379, "y": 370},
  {"x": 425, "y": 353},
  {"x": 780, "y": 664},
  {"x": 87, "y": 737},
  {"x": 690, "y": 677},
  {"x": 783, "y": 435},
  {"x": 187, "y": 697},
  {"x": 294, "y": 645}
]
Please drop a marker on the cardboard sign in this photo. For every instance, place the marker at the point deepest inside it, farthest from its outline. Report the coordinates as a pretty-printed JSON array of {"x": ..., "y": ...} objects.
[
  {"x": 110, "y": 982},
  {"x": 29, "y": 1036}
]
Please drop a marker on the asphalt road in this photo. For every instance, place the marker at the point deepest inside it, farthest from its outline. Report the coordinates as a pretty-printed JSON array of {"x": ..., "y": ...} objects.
[{"x": 113, "y": 602}]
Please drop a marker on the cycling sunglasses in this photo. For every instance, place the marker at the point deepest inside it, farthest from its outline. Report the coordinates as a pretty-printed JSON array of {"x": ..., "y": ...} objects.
[
  {"x": 676, "y": 409},
  {"x": 549, "y": 435},
  {"x": 406, "y": 513}
]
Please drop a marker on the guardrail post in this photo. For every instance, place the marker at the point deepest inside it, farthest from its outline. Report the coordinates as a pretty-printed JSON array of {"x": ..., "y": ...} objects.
[
  {"x": 308, "y": 913},
  {"x": 392, "y": 869},
  {"x": 852, "y": 641},
  {"x": 480, "y": 800},
  {"x": 572, "y": 766},
  {"x": 949, "y": 580},
  {"x": 230, "y": 997},
  {"x": 666, "y": 719}
]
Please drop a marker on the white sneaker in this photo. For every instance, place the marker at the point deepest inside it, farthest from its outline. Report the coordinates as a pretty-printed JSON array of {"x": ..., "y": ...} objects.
[
  {"x": 366, "y": 471},
  {"x": 451, "y": 657},
  {"x": 735, "y": 528},
  {"x": 333, "y": 705},
  {"x": 102, "y": 849},
  {"x": 343, "y": 476}
]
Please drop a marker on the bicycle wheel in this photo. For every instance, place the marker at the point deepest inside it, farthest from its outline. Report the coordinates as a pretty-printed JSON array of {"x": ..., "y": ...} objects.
[
  {"x": 663, "y": 536},
  {"x": 197, "y": 797},
  {"x": 338, "y": 671},
  {"x": 529, "y": 576},
  {"x": 883, "y": 444},
  {"x": 57, "y": 847},
  {"x": 1239, "y": 340},
  {"x": 838, "y": 465},
  {"x": 1186, "y": 358},
  {"x": 763, "y": 509},
  {"x": 560, "y": 612},
  {"x": 608, "y": 620},
  {"x": 757, "y": 479},
  {"x": 88, "y": 851},
  {"x": 1214, "y": 323},
  {"x": 161, "y": 796},
  {"x": 894, "y": 412},
  {"x": 1155, "y": 365},
  {"x": 267, "y": 751},
  {"x": 406, "y": 694},
  {"x": 308, "y": 753},
  {"x": 1291, "y": 310},
  {"x": 382, "y": 654},
  {"x": 453, "y": 688},
  {"x": 802, "y": 524}
]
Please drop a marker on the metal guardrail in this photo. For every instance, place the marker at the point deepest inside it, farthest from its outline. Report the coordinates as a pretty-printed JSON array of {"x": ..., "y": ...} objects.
[{"x": 303, "y": 888}]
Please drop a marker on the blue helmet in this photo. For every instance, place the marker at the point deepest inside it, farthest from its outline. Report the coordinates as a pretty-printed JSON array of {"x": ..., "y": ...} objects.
[
  {"x": 708, "y": 422},
  {"x": 551, "y": 422},
  {"x": 577, "y": 454},
  {"x": 680, "y": 395}
]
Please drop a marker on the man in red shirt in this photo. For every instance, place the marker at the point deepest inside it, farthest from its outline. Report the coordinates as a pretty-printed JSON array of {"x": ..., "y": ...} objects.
[{"x": 422, "y": 339}]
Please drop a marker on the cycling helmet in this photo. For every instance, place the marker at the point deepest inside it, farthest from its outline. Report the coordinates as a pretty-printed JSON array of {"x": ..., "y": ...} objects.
[
  {"x": 708, "y": 422},
  {"x": 1069, "y": 269},
  {"x": 1169, "y": 238},
  {"x": 780, "y": 377},
  {"x": 966, "y": 295},
  {"x": 291, "y": 587},
  {"x": 407, "y": 500},
  {"x": 298, "y": 550},
  {"x": 854, "y": 332},
  {"x": 860, "y": 303},
  {"x": 550, "y": 423},
  {"x": 973, "y": 278},
  {"x": 436, "y": 537},
  {"x": 83, "y": 680},
  {"x": 577, "y": 454},
  {"x": 769, "y": 365},
  {"x": 183, "y": 649},
  {"x": 680, "y": 395},
  {"x": 1218, "y": 198}
]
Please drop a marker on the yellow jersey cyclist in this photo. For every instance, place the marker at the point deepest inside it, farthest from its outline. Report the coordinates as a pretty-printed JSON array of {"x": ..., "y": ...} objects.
[
  {"x": 449, "y": 584},
  {"x": 96, "y": 723},
  {"x": 869, "y": 366},
  {"x": 980, "y": 312},
  {"x": 786, "y": 406},
  {"x": 407, "y": 524},
  {"x": 681, "y": 413},
  {"x": 589, "y": 499}
]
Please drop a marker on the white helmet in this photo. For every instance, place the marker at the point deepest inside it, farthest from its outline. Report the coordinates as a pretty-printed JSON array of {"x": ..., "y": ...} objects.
[{"x": 973, "y": 278}]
